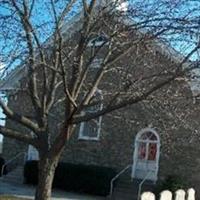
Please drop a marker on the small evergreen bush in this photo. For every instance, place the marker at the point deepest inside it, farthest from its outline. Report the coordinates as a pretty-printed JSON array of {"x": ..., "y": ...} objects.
[{"x": 172, "y": 183}]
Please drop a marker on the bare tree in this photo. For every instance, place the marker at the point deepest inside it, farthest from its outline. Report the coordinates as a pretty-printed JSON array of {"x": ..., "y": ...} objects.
[{"x": 57, "y": 54}]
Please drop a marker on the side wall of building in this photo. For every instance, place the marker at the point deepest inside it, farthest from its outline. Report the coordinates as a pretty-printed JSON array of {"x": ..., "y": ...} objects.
[{"x": 170, "y": 112}]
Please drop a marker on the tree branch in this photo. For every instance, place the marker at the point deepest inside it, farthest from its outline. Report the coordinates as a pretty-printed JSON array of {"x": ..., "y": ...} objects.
[
  {"x": 17, "y": 135},
  {"x": 19, "y": 118}
]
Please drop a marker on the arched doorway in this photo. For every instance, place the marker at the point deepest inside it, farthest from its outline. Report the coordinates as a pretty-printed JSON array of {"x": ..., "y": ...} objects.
[{"x": 146, "y": 155}]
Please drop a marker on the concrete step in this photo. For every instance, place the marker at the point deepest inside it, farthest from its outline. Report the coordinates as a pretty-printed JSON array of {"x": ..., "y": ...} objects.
[
  {"x": 12, "y": 181},
  {"x": 134, "y": 186},
  {"x": 15, "y": 176},
  {"x": 124, "y": 196},
  {"x": 12, "y": 177},
  {"x": 127, "y": 189}
]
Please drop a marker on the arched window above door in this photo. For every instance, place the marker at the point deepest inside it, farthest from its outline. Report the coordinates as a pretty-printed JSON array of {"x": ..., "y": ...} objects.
[{"x": 148, "y": 134}]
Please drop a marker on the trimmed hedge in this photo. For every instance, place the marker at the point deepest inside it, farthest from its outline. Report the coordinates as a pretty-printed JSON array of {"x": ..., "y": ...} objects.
[
  {"x": 31, "y": 172},
  {"x": 79, "y": 178}
]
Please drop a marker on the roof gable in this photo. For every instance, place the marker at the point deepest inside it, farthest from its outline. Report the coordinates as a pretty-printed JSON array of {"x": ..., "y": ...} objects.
[{"x": 11, "y": 82}]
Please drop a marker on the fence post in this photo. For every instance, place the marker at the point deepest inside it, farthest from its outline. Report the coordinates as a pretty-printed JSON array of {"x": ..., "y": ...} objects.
[
  {"x": 180, "y": 195},
  {"x": 166, "y": 195},
  {"x": 191, "y": 194},
  {"x": 148, "y": 196}
]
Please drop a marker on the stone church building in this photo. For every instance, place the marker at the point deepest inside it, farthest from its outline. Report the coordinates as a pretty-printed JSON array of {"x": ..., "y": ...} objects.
[{"x": 157, "y": 137}]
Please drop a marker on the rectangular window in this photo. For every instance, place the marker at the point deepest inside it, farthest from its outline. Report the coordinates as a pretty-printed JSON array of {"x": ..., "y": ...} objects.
[{"x": 90, "y": 130}]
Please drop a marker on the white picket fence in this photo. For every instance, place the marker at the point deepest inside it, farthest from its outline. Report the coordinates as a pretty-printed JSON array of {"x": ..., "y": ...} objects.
[{"x": 167, "y": 195}]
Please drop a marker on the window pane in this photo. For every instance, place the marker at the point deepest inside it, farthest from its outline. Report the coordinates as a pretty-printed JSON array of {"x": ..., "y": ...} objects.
[
  {"x": 152, "y": 151},
  {"x": 91, "y": 129},
  {"x": 152, "y": 137},
  {"x": 148, "y": 136},
  {"x": 144, "y": 136},
  {"x": 142, "y": 151}
]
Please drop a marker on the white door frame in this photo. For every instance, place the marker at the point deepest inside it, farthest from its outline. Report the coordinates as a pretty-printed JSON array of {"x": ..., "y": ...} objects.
[
  {"x": 32, "y": 153},
  {"x": 135, "y": 155}
]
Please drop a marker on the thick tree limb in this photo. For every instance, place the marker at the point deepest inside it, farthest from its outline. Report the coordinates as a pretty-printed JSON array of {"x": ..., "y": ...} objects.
[
  {"x": 17, "y": 135},
  {"x": 123, "y": 103},
  {"x": 19, "y": 118}
]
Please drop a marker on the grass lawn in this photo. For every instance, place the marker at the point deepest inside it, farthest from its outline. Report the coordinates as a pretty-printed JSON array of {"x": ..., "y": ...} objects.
[{"x": 3, "y": 197}]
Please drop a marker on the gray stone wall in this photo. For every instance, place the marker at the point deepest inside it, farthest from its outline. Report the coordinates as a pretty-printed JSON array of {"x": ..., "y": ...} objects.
[
  {"x": 20, "y": 103},
  {"x": 176, "y": 122},
  {"x": 1, "y": 147}
]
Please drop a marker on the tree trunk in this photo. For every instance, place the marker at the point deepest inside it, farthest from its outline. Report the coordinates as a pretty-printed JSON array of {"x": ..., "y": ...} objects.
[{"x": 46, "y": 174}]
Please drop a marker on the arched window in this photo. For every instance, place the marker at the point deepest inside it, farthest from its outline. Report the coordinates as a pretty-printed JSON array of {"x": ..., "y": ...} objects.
[
  {"x": 147, "y": 145},
  {"x": 146, "y": 154}
]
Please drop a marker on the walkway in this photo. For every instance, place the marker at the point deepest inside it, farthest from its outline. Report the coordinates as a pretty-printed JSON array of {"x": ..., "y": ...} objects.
[{"x": 28, "y": 191}]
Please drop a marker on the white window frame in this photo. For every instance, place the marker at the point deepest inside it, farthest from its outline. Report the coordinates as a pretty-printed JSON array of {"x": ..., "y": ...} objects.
[
  {"x": 81, "y": 135},
  {"x": 147, "y": 141},
  {"x": 33, "y": 153}
]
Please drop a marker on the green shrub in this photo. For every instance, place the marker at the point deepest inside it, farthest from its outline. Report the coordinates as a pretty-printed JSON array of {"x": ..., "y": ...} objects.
[
  {"x": 79, "y": 178},
  {"x": 172, "y": 183}
]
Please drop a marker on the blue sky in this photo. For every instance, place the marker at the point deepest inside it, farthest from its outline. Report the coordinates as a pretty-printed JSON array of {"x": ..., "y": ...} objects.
[{"x": 42, "y": 14}]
